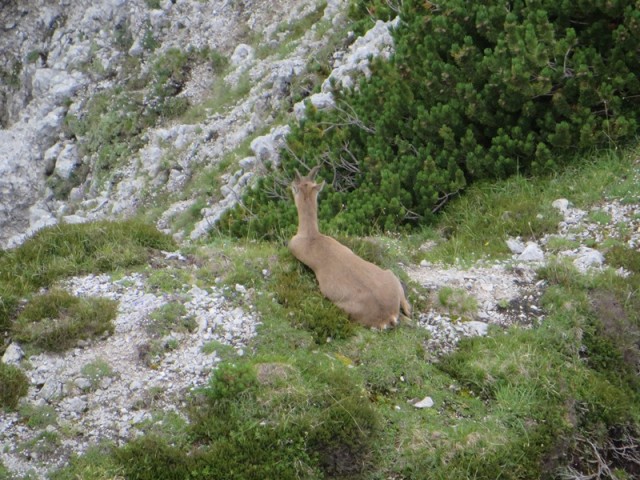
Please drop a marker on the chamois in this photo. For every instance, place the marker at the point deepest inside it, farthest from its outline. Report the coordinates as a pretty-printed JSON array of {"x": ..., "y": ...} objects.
[{"x": 369, "y": 295}]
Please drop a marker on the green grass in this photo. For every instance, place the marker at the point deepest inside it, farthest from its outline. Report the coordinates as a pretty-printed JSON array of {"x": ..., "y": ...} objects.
[
  {"x": 457, "y": 303},
  {"x": 475, "y": 225},
  {"x": 56, "y": 320},
  {"x": 220, "y": 98},
  {"x": 96, "y": 370},
  {"x": 13, "y": 385},
  {"x": 66, "y": 250},
  {"x": 171, "y": 317},
  {"x": 38, "y": 416},
  {"x": 541, "y": 402}
]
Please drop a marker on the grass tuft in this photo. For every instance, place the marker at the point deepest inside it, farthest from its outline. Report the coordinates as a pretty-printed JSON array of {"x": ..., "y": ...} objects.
[
  {"x": 13, "y": 385},
  {"x": 56, "y": 320},
  {"x": 66, "y": 250}
]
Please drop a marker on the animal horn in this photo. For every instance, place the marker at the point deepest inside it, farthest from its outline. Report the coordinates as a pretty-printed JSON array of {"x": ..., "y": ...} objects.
[
  {"x": 313, "y": 172},
  {"x": 298, "y": 176}
]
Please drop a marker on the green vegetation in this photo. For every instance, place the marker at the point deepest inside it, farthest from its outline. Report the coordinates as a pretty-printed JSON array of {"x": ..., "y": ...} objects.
[
  {"x": 13, "y": 385},
  {"x": 56, "y": 320},
  {"x": 114, "y": 121},
  {"x": 171, "y": 317},
  {"x": 65, "y": 250},
  {"x": 458, "y": 303},
  {"x": 474, "y": 92},
  {"x": 538, "y": 402},
  {"x": 96, "y": 370},
  {"x": 296, "y": 289},
  {"x": 38, "y": 416},
  {"x": 167, "y": 280},
  {"x": 287, "y": 33},
  {"x": 11, "y": 76},
  {"x": 470, "y": 227},
  {"x": 221, "y": 97}
]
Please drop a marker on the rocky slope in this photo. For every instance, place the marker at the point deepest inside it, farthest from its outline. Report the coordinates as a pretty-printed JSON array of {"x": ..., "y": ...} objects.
[
  {"x": 112, "y": 389},
  {"x": 57, "y": 56}
]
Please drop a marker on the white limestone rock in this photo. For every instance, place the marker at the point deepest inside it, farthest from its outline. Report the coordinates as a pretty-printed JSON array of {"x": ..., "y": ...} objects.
[
  {"x": 13, "y": 354},
  {"x": 475, "y": 328},
  {"x": 531, "y": 253},
  {"x": 67, "y": 161},
  {"x": 515, "y": 245},
  {"x": 426, "y": 402}
]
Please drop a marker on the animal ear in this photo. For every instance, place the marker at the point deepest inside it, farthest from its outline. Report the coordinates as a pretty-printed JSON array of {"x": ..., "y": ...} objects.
[
  {"x": 313, "y": 172},
  {"x": 320, "y": 186},
  {"x": 298, "y": 176}
]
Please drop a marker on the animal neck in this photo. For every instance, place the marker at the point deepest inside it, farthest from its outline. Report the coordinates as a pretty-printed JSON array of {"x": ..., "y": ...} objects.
[{"x": 307, "y": 219}]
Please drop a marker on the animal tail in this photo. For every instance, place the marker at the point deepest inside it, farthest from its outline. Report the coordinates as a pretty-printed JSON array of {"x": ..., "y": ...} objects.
[{"x": 404, "y": 304}]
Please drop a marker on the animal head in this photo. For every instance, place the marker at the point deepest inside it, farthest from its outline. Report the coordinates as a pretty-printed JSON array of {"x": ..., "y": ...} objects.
[{"x": 305, "y": 188}]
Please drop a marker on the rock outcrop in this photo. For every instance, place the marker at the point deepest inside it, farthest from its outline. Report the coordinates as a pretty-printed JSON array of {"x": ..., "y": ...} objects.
[{"x": 57, "y": 55}]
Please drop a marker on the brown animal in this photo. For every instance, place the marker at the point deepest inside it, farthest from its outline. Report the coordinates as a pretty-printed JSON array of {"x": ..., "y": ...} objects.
[{"x": 369, "y": 295}]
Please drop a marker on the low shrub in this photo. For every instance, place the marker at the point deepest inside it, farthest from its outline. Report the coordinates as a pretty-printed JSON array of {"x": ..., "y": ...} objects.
[
  {"x": 473, "y": 91},
  {"x": 13, "y": 385}
]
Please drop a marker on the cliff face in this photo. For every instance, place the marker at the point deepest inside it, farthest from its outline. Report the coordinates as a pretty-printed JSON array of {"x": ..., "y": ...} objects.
[{"x": 58, "y": 57}]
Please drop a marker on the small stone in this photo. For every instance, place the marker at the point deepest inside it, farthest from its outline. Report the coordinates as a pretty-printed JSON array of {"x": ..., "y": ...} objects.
[
  {"x": 588, "y": 258},
  {"x": 247, "y": 163},
  {"x": 241, "y": 54},
  {"x": 531, "y": 253},
  {"x": 476, "y": 328},
  {"x": 13, "y": 354},
  {"x": 76, "y": 405},
  {"x": 515, "y": 245},
  {"x": 426, "y": 402},
  {"x": 82, "y": 383},
  {"x": 561, "y": 204},
  {"x": 51, "y": 390}
]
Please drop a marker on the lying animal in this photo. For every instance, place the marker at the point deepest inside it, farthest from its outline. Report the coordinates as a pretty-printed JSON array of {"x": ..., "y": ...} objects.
[{"x": 369, "y": 295}]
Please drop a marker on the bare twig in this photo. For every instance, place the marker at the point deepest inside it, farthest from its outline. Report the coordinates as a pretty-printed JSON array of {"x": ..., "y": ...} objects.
[
  {"x": 349, "y": 118},
  {"x": 442, "y": 201}
]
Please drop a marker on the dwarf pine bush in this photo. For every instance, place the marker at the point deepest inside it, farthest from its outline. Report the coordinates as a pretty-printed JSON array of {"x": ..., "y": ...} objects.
[{"x": 479, "y": 90}]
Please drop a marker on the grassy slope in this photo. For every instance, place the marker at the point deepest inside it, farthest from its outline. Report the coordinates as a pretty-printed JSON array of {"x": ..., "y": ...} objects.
[{"x": 520, "y": 403}]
